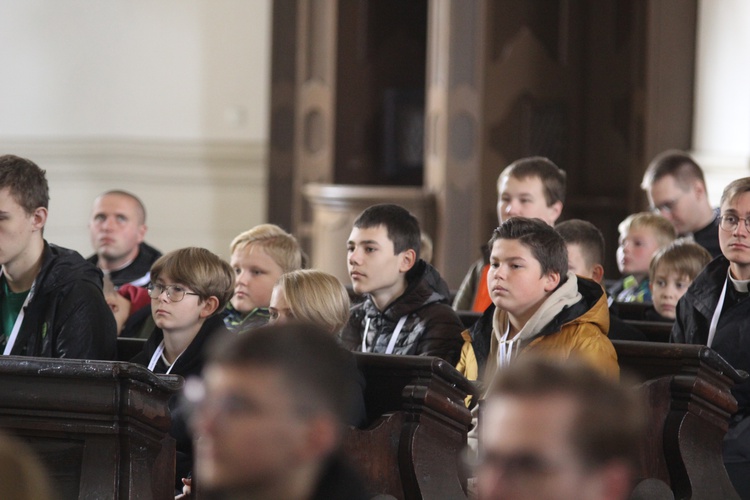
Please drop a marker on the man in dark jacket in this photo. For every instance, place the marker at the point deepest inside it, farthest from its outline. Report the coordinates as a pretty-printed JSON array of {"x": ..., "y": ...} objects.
[
  {"x": 51, "y": 301},
  {"x": 715, "y": 311},
  {"x": 118, "y": 227},
  {"x": 407, "y": 307}
]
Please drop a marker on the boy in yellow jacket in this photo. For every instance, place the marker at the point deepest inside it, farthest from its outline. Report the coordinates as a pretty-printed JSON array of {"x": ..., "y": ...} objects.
[{"x": 537, "y": 306}]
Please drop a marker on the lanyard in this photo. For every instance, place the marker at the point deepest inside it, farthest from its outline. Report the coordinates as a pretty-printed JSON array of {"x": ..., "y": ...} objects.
[
  {"x": 717, "y": 314},
  {"x": 394, "y": 335},
  {"x": 157, "y": 354},
  {"x": 17, "y": 324}
]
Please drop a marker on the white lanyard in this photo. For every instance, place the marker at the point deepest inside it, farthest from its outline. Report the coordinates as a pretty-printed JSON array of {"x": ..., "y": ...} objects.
[
  {"x": 717, "y": 314},
  {"x": 505, "y": 352},
  {"x": 17, "y": 324},
  {"x": 157, "y": 355},
  {"x": 394, "y": 335}
]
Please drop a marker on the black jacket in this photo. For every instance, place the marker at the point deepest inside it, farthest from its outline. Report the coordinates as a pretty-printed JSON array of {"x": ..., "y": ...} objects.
[
  {"x": 67, "y": 316},
  {"x": 732, "y": 340},
  {"x": 431, "y": 328},
  {"x": 189, "y": 364},
  {"x": 137, "y": 271}
]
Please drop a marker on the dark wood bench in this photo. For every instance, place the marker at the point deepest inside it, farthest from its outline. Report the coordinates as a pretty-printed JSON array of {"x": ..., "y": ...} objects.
[
  {"x": 655, "y": 331},
  {"x": 418, "y": 427},
  {"x": 101, "y": 428},
  {"x": 688, "y": 391}
]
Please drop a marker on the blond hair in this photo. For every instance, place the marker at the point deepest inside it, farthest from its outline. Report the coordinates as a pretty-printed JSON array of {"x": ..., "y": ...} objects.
[
  {"x": 663, "y": 230},
  {"x": 281, "y": 246},
  {"x": 316, "y": 297},
  {"x": 682, "y": 257},
  {"x": 204, "y": 272},
  {"x": 735, "y": 189}
]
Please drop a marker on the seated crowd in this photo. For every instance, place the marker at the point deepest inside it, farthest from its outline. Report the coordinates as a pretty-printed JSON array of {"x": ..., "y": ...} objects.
[{"x": 539, "y": 290}]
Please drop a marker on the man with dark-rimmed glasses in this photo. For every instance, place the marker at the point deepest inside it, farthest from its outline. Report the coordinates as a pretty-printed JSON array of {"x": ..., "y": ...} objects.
[
  {"x": 715, "y": 311},
  {"x": 676, "y": 189}
]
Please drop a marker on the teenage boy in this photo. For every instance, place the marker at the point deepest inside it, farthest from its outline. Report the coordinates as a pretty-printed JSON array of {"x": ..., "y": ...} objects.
[
  {"x": 539, "y": 306},
  {"x": 51, "y": 300},
  {"x": 406, "y": 310},
  {"x": 676, "y": 188},
  {"x": 715, "y": 311},
  {"x": 529, "y": 187},
  {"x": 188, "y": 288},
  {"x": 259, "y": 257},
  {"x": 117, "y": 228},
  {"x": 270, "y": 416}
]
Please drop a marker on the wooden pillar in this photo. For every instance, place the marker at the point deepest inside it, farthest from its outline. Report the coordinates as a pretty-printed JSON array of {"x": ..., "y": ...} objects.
[{"x": 454, "y": 129}]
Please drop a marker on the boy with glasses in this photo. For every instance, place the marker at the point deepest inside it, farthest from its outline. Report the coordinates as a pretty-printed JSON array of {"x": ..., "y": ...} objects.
[
  {"x": 715, "y": 311},
  {"x": 676, "y": 189},
  {"x": 188, "y": 288}
]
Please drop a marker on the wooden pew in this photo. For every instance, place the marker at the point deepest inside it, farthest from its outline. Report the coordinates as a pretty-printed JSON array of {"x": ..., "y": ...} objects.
[
  {"x": 418, "y": 427},
  {"x": 655, "y": 331},
  {"x": 690, "y": 403},
  {"x": 101, "y": 428}
]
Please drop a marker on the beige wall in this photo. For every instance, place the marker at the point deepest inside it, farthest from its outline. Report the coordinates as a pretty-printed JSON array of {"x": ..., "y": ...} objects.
[{"x": 167, "y": 99}]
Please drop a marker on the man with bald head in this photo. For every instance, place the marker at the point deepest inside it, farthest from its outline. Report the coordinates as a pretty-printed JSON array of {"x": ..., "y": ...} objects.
[{"x": 118, "y": 227}]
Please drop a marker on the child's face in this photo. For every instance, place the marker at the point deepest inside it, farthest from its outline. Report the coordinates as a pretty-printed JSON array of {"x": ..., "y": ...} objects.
[
  {"x": 735, "y": 245},
  {"x": 637, "y": 246},
  {"x": 279, "y": 309},
  {"x": 255, "y": 274},
  {"x": 525, "y": 198},
  {"x": 515, "y": 280},
  {"x": 373, "y": 266},
  {"x": 171, "y": 316},
  {"x": 666, "y": 289}
]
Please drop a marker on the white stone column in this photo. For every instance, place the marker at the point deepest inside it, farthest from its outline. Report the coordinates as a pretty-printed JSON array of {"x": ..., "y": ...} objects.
[{"x": 721, "y": 123}]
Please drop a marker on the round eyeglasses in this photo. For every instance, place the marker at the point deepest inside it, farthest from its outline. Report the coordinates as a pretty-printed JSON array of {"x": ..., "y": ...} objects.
[
  {"x": 730, "y": 222},
  {"x": 175, "y": 293}
]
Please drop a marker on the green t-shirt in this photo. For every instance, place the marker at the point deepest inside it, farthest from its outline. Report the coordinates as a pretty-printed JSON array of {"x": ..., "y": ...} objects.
[{"x": 10, "y": 307}]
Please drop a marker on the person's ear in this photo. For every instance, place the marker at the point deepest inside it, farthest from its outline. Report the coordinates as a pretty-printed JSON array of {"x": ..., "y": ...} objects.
[
  {"x": 209, "y": 306},
  {"x": 551, "y": 280},
  {"x": 555, "y": 211},
  {"x": 39, "y": 218},
  {"x": 408, "y": 259},
  {"x": 597, "y": 273},
  {"x": 700, "y": 189},
  {"x": 142, "y": 232}
]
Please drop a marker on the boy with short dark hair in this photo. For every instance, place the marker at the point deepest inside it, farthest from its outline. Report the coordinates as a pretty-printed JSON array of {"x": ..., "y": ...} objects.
[
  {"x": 406, "y": 310},
  {"x": 189, "y": 288},
  {"x": 529, "y": 187},
  {"x": 538, "y": 305},
  {"x": 51, "y": 300}
]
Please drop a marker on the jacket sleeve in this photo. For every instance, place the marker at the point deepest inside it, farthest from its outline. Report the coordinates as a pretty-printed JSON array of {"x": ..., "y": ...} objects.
[
  {"x": 465, "y": 296},
  {"x": 678, "y": 335},
  {"x": 598, "y": 352},
  {"x": 85, "y": 327},
  {"x": 442, "y": 334}
]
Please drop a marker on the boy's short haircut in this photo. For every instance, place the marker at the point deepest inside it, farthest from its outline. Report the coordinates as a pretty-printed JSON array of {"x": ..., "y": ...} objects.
[
  {"x": 317, "y": 371},
  {"x": 204, "y": 272},
  {"x": 553, "y": 177},
  {"x": 585, "y": 235},
  {"x": 25, "y": 181},
  {"x": 611, "y": 417},
  {"x": 281, "y": 246},
  {"x": 676, "y": 163},
  {"x": 735, "y": 189},
  {"x": 316, "y": 297},
  {"x": 402, "y": 227},
  {"x": 546, "y": 245},
  {"x": 663, "y": 230},
  {"x": 681, "y": 257}
]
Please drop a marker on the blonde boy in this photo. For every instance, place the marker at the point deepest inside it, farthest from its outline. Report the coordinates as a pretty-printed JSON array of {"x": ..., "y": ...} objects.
[
  {"x": 672, "y": 270},
  {"x": 529, "y": 187},
  {"x": 540, "y": 306},
  {"x": 259, "y": 257},
  {"x": 641, "y": 236}
]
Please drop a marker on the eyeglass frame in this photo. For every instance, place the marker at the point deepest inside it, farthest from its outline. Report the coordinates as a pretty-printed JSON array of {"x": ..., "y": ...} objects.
[
  {"x": 152, "y": 287},
  {"x": 668, "y": 206},
  {"x": 723, "y": 218}
]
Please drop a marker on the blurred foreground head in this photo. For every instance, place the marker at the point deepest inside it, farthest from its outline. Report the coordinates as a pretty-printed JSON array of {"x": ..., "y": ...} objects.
[{"x": 554, "y": 431}]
